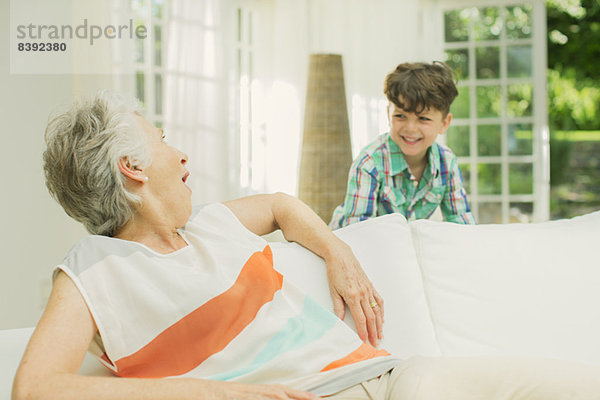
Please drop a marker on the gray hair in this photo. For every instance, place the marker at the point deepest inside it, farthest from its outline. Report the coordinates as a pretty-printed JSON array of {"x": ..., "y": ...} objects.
[{"x": 83, "y": 149}]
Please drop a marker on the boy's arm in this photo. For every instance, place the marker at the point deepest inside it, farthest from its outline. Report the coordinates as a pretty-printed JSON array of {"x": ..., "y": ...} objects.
[
  {"x": 455, "y": 206},
  {"x": 362, "y": 194}
]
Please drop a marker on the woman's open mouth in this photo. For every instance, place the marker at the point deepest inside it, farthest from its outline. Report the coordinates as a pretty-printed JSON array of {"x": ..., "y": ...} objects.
[{"x": 184, "y": 179}]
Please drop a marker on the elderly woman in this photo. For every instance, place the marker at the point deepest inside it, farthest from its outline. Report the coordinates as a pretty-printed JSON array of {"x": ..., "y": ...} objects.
[{"x": 161, "y": 289}]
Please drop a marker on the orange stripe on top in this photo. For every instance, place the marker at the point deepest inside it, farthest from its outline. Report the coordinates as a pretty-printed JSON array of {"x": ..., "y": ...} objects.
[
  {"x": 364, "y": 352},
  {"x": 208, "y": 329}
]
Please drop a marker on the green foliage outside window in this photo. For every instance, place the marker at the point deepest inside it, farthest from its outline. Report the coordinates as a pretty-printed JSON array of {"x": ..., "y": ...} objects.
[
  {"x": 574, "y": 105},
  {"x": 573, "y": 95}
]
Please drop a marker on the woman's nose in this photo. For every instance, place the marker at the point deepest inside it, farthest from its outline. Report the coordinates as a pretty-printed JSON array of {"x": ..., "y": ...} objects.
[{"x": 183, "y": 157}]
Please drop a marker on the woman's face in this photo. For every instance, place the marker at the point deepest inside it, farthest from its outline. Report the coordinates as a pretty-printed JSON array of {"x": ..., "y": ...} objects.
[{"x": 167, "y": 175}]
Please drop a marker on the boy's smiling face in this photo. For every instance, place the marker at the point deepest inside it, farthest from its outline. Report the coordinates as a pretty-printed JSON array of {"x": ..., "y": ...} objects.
[{"x": 414, "y": 133}]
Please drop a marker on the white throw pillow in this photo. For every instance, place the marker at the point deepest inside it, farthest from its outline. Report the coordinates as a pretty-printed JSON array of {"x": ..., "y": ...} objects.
[
  {"x": 384, "y": 248},
  {"x": 515, "y": 289}
]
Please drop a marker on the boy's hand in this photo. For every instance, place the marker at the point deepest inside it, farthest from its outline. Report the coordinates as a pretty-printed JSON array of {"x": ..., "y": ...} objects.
[{"x": 349, "y": 284}]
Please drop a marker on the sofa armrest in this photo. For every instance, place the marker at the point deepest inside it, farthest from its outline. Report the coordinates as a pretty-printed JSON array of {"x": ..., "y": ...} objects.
[{"x": 12, "y": 346}]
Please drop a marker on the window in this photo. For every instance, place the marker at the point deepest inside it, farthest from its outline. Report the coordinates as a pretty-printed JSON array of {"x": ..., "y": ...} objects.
[
  {"x": 148, "y": 65},
  {"x": 180, "y": 76},
  {"x": 249, "y": 127},
  {"x": 499, "y": 131}
]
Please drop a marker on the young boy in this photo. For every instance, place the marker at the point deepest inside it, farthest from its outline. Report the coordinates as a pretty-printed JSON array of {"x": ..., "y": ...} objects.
[{"x": 404, "y": 170}]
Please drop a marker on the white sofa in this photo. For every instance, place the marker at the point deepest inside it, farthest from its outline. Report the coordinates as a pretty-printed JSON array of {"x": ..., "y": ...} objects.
[{"x": 518, "y": 289}]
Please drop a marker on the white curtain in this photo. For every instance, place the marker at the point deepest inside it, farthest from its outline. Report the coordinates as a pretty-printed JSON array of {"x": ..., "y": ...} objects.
[{"x": 195, "y": 94}]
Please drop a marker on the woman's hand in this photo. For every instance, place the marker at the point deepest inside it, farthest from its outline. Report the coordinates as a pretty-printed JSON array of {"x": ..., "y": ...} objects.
[
  {"x": 264, "y": 392},
  {"x": 349, "y": 284}
]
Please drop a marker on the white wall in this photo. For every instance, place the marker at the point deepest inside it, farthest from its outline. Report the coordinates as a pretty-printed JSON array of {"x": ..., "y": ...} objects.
[{"x": 35, "y": 232}]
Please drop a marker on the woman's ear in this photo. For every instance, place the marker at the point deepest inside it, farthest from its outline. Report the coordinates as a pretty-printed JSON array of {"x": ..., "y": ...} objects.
[{"x": 131, "y": 171}]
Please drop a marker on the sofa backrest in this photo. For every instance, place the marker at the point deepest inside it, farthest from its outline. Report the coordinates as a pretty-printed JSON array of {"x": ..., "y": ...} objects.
[
  {"x": 516, "y": 289},
  {"x": 522, "y": 289},
  {"x": 384, "y": 248}
]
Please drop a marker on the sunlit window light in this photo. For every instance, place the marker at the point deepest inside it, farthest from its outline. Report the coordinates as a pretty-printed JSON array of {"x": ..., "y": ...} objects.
[
  {"x": 244, "y": 132},
  {"x": 284, "y": 127}
]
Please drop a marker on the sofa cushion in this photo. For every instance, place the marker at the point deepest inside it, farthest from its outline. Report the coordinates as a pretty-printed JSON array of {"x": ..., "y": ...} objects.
[
  {"x": 525, "y": 289},
  {"x": 384, "y": 248}
]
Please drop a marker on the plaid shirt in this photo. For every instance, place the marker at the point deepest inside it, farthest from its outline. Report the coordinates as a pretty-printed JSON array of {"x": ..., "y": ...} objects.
[{"x": 380, "y": 182}]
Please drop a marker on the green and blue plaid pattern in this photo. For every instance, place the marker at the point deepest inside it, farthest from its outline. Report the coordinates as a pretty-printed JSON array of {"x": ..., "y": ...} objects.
[{"x": 380, "y": 182}]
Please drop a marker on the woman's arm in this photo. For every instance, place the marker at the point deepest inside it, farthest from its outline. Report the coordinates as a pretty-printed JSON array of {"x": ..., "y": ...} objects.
[
  {"x": 348, "y": 283},
  {"x": 59, "y": 343}
]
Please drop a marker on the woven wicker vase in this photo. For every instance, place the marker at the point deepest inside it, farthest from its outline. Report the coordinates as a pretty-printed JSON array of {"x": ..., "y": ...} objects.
[{"x": 326, "y": 149}]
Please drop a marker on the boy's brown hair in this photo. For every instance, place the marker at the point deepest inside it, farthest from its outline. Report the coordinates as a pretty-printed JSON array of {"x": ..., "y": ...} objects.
[{"x": 415, "y": 87}]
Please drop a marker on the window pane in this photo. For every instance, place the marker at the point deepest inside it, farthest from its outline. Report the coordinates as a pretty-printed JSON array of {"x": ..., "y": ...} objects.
[
  {"x": 456, "y": 25},
  {"x": 465, "y": 170},
  {"x": 490, "y": 213},
  {"x": 250, "y": 68},
  {"x": 520, "y": 139},
  {"x": 487, "y": 24},
  {"x": 158, "y": 90},
  {"x": 157, "y": 8},
  {"x": 239, "y": 24},
  {"x": 489, "y": 101},
  {"x": 520, "y": 100},
  {"x": 139, "y": 44},
  {"x": 139, "y": 86},
  {"x": 520, "y": 178},
  {"x": 520, "y": 212},
  {"x": 250, "y": 39},
  {"x": 458, "y": 140},
  {"x": 490, "y": 178},
  {"x": 158, "y": 45},
  {"x": 489, "y": 140},
  {"x": 458, "y": 60},
  {"x": 487, "y": 62},
  {"x": 460, "y": 106},
  {"x": 139, "y": 8},
  {"x": 518, "y": 22},
  {"x": 519, "y": 61}
]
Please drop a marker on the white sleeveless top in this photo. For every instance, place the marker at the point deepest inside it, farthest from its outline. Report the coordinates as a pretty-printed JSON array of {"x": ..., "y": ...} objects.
[{"x": 216, "y": 309}]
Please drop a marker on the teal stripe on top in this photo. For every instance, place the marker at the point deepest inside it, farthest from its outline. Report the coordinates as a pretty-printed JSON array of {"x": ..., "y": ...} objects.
[{"x": 306, "y": 327}]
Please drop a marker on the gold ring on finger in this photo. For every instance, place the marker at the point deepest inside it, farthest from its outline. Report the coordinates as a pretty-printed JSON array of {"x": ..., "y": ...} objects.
[{"x": 374, "y": 304}]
